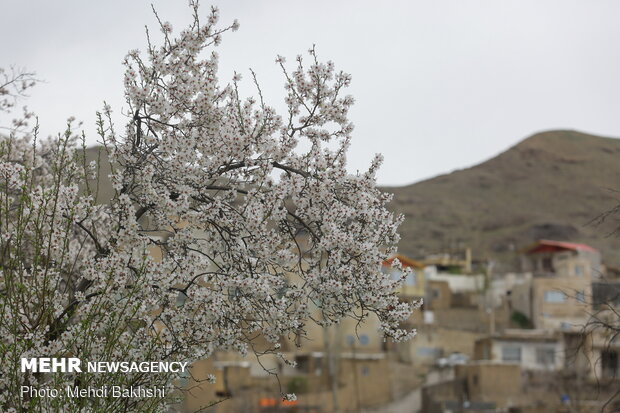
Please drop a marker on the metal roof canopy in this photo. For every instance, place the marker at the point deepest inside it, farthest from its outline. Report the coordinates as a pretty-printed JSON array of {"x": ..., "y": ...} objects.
[{"x": 544, "y": 245}]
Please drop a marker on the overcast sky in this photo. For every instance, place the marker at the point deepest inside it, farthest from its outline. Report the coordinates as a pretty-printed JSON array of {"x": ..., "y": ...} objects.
[{"x": 439, "y": 84}]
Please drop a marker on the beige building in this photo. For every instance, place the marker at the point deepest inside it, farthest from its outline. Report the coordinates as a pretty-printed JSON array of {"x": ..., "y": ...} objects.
[
  {"x": 530, "y": 349},
  {"x": 561, "y": 283},
  {"x": 434, "y": 342},
  {"x": 439, "y": 295}
]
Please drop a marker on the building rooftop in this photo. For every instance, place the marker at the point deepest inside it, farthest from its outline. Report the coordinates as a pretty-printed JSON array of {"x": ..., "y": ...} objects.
[
  {"x": 526, "y": 335},
  {"x": 544, "y": 245},
  {"x": 405, "y": 261}
]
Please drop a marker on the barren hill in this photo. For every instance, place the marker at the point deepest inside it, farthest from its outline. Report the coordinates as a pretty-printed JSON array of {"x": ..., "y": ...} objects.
[{"x": 551, "y": 185}]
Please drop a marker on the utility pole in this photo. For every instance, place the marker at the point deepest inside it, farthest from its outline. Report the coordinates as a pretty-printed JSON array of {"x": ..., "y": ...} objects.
[
  {"x": 355, "y": 378},
  {"x": 332, "y": 367}
]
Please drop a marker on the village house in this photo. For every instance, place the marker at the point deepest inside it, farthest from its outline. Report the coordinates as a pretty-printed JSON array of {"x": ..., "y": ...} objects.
[
  {"x": 530, "y": 349},
  {"x": 562, "y": 274}
]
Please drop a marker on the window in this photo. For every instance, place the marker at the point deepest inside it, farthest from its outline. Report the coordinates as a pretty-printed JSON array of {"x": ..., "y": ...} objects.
[
  {"x": 545, "y": 356},
  {"x": 511, "y": 353},
  {"x": 580, "y": 296},
  {"x": 428, "y": 352},
  {"x": 365, "y": 371},
  {"x": 411, "y": 278},
  {"x": 351, "y": 340},
  {"x": 303, "y": 363},
  {"x": 486, "y": 352},
  {"x": 565, "y": 326},
  {"x": 396, "y": 274},
  {"x": 579, "y": 270},
  {"x": 318, "y": 366},
  {"x": 181, "y": 298},
  {"x": 609, "y": 363},
  {"x": 555, "y": 297},
  {"x": 184, "y": 379}
]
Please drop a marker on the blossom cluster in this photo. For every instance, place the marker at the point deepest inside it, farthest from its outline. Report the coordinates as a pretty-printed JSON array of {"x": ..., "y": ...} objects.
[{"x": 222, "y": 231}]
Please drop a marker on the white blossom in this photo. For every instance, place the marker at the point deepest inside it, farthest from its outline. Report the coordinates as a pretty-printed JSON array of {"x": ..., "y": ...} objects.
[{"x": 221, "y": 228}]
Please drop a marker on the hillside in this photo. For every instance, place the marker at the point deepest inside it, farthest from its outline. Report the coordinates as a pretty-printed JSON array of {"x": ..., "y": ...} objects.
[{"x": 551, "y": 185}]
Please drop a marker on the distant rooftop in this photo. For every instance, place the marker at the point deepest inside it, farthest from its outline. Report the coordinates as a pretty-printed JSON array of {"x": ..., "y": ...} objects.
[
  {"x": 526, "y": 335},
  {"x": 405, "y": 261},
  {"x": 544, "y": 245}
]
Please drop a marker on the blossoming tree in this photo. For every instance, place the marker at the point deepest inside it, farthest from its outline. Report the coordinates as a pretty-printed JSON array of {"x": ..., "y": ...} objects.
[{"x": 256, "y": 235}]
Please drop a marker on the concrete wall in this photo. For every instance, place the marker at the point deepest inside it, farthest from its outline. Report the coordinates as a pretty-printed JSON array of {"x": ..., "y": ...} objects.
[
  {"x": 471, "y": 319},
  {"x": 488, "y": 382}
]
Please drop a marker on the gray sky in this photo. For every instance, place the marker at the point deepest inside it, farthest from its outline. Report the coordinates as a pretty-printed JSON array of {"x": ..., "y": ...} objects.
[{"x": 439, "y": 84}]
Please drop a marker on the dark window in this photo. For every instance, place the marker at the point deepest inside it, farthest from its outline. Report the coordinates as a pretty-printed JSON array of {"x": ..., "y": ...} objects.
[
  {"x": 486, "y": 352},
  {"x": 303, "y": 364},
  {"x": 609, "y": 363}
]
